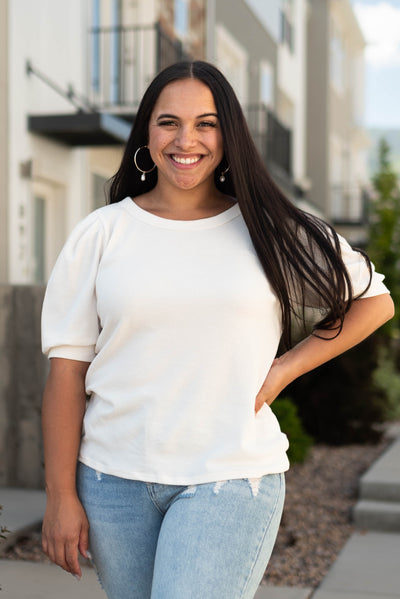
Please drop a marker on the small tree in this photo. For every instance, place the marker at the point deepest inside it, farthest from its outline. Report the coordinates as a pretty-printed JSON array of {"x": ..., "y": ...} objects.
[
  {"x": 344, "y": 400},
  {"x": 384, "y": 229},
  {"x": 3, "y": 529},
  {"x": 3, "y": 532},
  {"x": 384, "y": 250}
]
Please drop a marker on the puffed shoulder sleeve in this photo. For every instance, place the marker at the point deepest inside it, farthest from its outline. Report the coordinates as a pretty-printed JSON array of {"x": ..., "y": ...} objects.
[
  {"x": 359, "y": 272},
  {"x": 70, "y": 325}
]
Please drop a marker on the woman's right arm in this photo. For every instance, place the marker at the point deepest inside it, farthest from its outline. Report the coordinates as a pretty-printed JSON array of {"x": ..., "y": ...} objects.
[{"x": 65, "y": 525}]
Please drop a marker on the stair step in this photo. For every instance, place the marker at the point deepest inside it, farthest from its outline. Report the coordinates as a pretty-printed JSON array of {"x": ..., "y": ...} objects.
[
  {"x": 382, "y": 481},
  {"x": 375, "y": 490},
  {"x": 377, "y": 515}
]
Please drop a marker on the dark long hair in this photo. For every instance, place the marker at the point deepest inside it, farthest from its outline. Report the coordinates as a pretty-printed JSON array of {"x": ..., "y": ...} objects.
[{"x": 300, "y": 254}]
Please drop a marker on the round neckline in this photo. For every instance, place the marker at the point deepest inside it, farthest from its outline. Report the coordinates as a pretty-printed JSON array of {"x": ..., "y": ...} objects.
[{"x": 167, "y": 223}]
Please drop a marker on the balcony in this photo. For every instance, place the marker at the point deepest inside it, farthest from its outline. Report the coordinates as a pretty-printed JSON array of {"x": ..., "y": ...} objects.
[
  {"x": 273, "y": 141},
  {"x": 349, "y": 205},
  {"x": 350, "y": 212},
  {"x": 124, "y": 60}
]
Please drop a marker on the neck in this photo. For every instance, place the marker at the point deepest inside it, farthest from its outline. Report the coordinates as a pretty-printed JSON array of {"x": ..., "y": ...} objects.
[{"x": 181, "y": 204}]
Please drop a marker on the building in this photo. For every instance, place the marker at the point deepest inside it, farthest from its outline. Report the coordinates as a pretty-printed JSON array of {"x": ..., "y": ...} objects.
[
  {"x": 71, "y": 76},
  {"x": 260, "y": 46},
  {"x": 337, "y": 142}
]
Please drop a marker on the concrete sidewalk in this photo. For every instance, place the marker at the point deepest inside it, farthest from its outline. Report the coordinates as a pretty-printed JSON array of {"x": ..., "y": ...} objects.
[
  {"x": 367, "y": 568},
  {"x": 31, "y": 580}
]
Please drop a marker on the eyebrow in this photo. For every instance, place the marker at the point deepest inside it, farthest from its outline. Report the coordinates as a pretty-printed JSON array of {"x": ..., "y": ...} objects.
[{"x": 173, "y": 116}]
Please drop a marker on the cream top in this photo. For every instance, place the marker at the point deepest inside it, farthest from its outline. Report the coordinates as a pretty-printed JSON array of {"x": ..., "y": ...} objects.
[{"x": 180, "y": 326}]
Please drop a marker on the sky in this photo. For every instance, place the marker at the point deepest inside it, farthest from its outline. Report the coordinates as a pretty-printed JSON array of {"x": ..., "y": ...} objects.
[{"x": 380, "y": 23}]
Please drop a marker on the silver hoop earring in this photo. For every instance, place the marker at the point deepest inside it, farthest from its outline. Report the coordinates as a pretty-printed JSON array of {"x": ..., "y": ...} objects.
[
  {"x": 222, "y": 175},
  {"x": 143, "y": 175}
]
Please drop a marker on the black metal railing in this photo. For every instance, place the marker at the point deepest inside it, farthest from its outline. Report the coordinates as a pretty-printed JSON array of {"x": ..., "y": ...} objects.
[
  {"x": 168, "y": 50},
  {"x": 349, "y": 204},
  {"x": 272, "y": 138},
  {"x": 79, "y": 101},
  {"x": 124, "y": 59}
]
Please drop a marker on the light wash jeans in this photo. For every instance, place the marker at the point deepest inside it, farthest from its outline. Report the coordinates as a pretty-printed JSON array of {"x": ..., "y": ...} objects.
[{"x": 206, "y": 541}]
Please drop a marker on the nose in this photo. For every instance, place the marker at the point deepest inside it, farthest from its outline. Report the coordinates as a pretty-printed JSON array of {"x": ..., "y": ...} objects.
[{"x": 185, "y": 137}]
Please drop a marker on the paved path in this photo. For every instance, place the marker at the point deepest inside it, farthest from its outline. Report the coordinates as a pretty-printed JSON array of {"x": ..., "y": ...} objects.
[
  {"x": 30, "y": 580},
  {"x": 367, "y": 568}
]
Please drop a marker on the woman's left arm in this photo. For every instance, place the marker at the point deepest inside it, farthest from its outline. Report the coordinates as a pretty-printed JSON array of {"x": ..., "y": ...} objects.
[{"x": 364, "y": 317}]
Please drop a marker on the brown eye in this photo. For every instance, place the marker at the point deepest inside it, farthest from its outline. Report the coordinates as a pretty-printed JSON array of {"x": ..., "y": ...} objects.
[{"x": 167, "y": 124}]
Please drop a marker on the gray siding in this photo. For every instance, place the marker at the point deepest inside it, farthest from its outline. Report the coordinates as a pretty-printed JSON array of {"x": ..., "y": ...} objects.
[
  {"x": 23, "y": 370},
  {"x": 241, "y": 22},
  {"x": 318, "y": 103}
]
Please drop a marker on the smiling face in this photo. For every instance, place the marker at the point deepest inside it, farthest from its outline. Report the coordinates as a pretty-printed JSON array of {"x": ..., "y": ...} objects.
[{"x": 185, "y": 139}]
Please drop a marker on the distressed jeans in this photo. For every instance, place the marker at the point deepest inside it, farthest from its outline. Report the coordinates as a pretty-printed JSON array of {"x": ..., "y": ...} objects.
[{"x": 156, "y": 541}]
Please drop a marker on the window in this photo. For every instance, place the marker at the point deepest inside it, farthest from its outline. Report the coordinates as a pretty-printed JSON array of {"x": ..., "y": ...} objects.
[
  {"x": 98, "y": 194},
  {"x": 39, "y": 247},
  {"x": 266, "y": 84},
  {"x": 181, "y": 18},
  {"x": 336, "y": 59},
  {"x": 47, "y": 228},
  {"x": 96, "y": 46},
  {"x": 233, "y": 62},
  {"x": 115, "y": 51},
  {"x": 287, "y": 29}
]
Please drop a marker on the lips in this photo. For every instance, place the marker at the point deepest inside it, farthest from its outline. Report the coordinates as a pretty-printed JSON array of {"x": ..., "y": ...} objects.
[{"x": 186, "y": 160}]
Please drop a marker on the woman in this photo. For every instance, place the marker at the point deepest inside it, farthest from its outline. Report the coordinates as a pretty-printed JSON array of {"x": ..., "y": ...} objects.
[{"x": 167, "y": 308}]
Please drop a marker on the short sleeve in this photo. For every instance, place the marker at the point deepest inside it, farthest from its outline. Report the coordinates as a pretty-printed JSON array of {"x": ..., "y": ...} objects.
[
  {"x": 359, "y": 273},
  {"x": 70, "y": 325},
  {"x": 364, "y": 283}
]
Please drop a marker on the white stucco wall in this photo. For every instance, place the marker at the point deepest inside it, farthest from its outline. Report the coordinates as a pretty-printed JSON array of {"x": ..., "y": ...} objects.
[
  {"x": 232, "y": 59},
  {"x": 51, "y": 34},
  {"x": 299, "y": 148}
]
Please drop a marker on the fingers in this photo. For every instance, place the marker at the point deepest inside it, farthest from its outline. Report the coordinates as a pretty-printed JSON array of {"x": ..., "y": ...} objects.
[
  {"x": 61, "y": 546},
  {"x": 261, "y": 400},
  {"x": 266, "y": 395},
  {"x": 71, "y": 558},
  {"x": 65, "y": 530},
  {"x": 273, "y": 384},
  {"x": 84, "y": 541},
  {"x": 64, "y": 553},
  {"x": 259, "y": 404},
  {"x": 45, "y": 545}
]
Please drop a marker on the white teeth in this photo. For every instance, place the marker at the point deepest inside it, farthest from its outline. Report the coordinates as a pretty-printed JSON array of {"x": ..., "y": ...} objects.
[{"x": 185, "y": 160}]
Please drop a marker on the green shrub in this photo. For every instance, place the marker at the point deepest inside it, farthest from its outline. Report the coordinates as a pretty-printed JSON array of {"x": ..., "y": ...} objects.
[
  {"x": 386, "y": 377},
  {"x": 3, "y": 529},
  {"x": 299, "y": 442},
  {"x": 338, "y": 402}
]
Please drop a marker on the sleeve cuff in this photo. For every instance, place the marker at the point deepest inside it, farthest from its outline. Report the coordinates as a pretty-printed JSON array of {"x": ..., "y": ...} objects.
[
  {"x": 82, "y": 354},
  {"x": 377, "y": 286}
]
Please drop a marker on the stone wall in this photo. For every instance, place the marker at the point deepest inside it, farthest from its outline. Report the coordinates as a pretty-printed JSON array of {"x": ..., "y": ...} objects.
[{"x": 23, "y": 370}]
